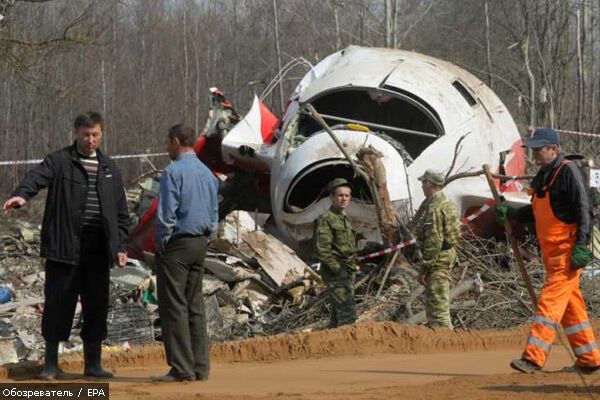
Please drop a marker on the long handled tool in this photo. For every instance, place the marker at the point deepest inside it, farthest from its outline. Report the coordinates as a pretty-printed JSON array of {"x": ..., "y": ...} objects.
[
  {"x": 511, "y": 239},
  {"x": 521, "y": 264},
  {"x": 515, "y": 248}
]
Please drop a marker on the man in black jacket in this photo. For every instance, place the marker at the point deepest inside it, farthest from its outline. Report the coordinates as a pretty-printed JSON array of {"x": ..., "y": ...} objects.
[{"x": 84, "y": 230}]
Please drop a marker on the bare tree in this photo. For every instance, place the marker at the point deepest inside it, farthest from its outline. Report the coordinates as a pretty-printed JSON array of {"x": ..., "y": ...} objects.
[
  {"x": 147, "y": 64},
  {"x": 389, "y": 23},
  {"x": 334, "y": 4},
  {"x": 488, "y": 50},
  {"x": 278, "y": 53}
]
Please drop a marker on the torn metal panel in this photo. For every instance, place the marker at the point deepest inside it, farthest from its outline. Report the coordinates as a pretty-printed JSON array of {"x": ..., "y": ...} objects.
[
  {"x": 252, "y": 296},
  {"x": 150, "y": 187},
  {"x": 211, "y": 284},
  {"x": 25, "y": 322},
  {"x": 8, "y": 353},
  {"x": 225, "y": 298},
  {"x": 225, "y": 268},
  {"x": 30, "y": 279},
  {"x": 278, "y": 261},
  {"x": 299, "y": 289},
  {"x": 129, "y": 278},
  {"x": 252, "y": 288},
  {"x": 28, "y": 232},
  {"x": 214, "y": 320},
  {"x": 238, "y": 223}
]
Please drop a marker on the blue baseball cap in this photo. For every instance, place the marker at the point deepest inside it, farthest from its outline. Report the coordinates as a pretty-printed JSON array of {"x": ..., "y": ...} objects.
[{"x": 542, "y": 137}]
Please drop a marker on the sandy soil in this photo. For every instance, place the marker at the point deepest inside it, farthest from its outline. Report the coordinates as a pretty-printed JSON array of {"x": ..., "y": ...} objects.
[{"x": 369, "y": 361}]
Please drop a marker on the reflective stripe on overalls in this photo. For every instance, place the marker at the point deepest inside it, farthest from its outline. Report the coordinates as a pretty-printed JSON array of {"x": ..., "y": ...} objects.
[{"x": 560, "y": 299}]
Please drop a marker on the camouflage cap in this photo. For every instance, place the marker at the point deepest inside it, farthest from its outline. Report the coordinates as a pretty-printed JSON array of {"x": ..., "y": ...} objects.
[
  {"x": 337, "y": 182},
  {"x": 437, "y": 178}
]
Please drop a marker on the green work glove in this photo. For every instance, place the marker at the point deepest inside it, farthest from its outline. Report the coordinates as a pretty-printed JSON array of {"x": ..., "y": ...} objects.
[
  {"x": 580, "y": 257},
  {"x": 504, "y": 213}
]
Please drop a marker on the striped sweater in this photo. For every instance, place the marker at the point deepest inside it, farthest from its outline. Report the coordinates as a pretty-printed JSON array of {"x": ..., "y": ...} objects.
[{"x": 92, "y": 218}]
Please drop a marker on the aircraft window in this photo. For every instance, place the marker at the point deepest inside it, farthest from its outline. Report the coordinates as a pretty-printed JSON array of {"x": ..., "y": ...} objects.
[
  {"x": 465, "y": 93},
  {"x": 399, "y": 116},
  {"x": 311, "y": 186}
]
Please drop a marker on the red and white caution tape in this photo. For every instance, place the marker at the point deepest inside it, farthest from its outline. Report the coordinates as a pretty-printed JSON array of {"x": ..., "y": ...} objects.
[
  {"x": 388, "y": 250},
  {"x": 488, "y": 204},
  {"x": 118, "y": 157},
  {"x": 517, "y": 182},
  {"x": 20, "y": 162},
  {"x": 568, "y": 132},
  {"x": 143, "y": 155}
]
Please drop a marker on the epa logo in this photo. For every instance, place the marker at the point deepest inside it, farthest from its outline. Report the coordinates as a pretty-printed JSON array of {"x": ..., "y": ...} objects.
[{"x": 96, "y": 393}]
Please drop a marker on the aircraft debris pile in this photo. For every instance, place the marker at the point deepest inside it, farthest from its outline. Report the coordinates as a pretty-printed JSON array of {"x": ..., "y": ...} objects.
[
  {"x": 21, "y": 291},
  {"x": 486, "y": 292},
  {"x": 255, "y": 285}
]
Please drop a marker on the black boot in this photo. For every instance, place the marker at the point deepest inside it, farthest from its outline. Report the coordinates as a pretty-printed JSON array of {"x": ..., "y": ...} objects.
[
  {"x": 51, "y": 370},
  {"x": 92, "y": 352}
]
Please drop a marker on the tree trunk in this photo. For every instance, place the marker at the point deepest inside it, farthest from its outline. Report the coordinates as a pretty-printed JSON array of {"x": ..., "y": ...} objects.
[
  {"x": 580, "y": 80},
  {"x": 236, "y": 61},
  {"x": 105, "y": 133},
  {"x": 592, "y": 74},
  {"x": 111, "y": 123},
  {"x": 389, "y": 24},
  {"x": 197, "y": 105},
  {"x": 336, "y": 20},
  {"x": 488, "y": 50},
  {"x": 278, "y": 55},
  {"x": 532, "y": 105},
  {"x": 185, "y": 66},
  {"x": 395, "y": 24}
]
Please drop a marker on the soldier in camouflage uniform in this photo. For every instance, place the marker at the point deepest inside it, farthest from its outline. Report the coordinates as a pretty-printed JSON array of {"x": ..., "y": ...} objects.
[
  {"x": 335, "y": 243},
  {"x": 437, "y": 234}
]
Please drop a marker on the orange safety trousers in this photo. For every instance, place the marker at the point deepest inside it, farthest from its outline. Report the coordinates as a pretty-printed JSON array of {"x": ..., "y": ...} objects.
[{"x": 560, "y": 300}]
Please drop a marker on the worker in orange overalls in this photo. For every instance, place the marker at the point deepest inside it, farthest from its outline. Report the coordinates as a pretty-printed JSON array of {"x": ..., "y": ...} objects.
[{"x": 562, "y": 211}]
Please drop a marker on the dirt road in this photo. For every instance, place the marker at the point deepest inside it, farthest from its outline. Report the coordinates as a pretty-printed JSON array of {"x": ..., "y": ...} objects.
[
  {"x": 476, "y": 375},
  {"x": 475, "y": 369}
]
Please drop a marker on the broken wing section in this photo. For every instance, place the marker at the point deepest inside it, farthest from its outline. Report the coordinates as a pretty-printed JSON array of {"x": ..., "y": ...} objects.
[
  {"x": 238, "y": 152},
  {"x": 249, "y": 144}
]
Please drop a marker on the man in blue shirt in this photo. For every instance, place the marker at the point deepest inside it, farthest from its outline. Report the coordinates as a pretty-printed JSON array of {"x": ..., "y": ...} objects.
[{"x": 187, "y": 216}]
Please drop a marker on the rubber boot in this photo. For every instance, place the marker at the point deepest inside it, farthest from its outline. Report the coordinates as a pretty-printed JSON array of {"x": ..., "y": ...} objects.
[
  {"x": 51, "y": 370},
  {"x": 92, "y": 353}
]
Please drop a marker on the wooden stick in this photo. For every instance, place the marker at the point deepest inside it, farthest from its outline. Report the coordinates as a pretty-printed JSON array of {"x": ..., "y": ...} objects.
[
  {"x": 477, "y": 173},
  {"x": 387, "y": 272},
  {"x": 511, "y": 239}
]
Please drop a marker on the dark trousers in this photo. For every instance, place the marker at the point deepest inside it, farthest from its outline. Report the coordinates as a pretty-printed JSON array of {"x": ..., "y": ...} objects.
[
  {"x": 88, "y": 280},
  {"x": 179, "y": 272}
]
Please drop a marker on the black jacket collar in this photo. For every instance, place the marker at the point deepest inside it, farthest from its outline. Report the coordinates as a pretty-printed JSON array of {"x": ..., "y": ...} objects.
[
  {"x": 72, "y": 149},
  {"x": 545, "y": 173}
]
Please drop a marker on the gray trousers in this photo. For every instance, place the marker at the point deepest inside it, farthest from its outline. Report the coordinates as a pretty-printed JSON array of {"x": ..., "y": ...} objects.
[{"x": 179, "y": 272}]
